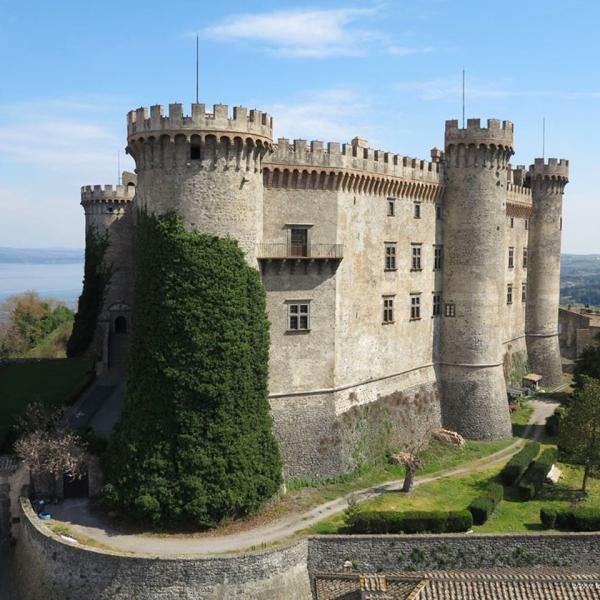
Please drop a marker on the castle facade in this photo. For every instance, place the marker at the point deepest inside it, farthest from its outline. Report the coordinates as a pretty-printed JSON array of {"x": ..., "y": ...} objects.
[{"x": 402, "y": 293}]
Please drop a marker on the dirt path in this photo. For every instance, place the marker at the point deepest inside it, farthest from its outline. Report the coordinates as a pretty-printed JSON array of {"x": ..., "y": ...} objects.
[{"x": 89, "y": 525}]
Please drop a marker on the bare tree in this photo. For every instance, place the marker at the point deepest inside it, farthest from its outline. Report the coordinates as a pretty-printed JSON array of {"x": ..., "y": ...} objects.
[{"x": 411, "y": 461}]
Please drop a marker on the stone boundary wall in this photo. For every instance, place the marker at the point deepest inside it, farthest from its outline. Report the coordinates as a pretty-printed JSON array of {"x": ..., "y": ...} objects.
[
  {"x": 49, "y": 568},
  {"x": 373, "y": 553}
]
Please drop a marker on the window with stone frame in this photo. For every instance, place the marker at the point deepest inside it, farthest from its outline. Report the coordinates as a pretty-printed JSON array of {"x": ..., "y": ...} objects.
[
  {"x": 391, "y": 207},
  {"x": 417, "y": 210},
  {"x": 415, "y": 307},
  {"x": 438, "y": 212},
  {"x": 449, "y": 310},
  {"x": 298, "y": 315},
  {"x": 509, "y": 293},
  {"x": 437, "y": 304},
  {"x": 525, "y": 257},
  {"x": 523, "y": 292},
  {"x": 298, "y": 241},
  {"x": 388, "y": 309},
  {"x": 390, "y": 256},
  {"x": 416, "y": 255},
  {"x": 437, "y": 257},
  {"x": 511, "y": 258}
]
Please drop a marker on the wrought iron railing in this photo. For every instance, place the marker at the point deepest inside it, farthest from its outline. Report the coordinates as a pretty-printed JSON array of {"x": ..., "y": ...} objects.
[{"x": 311, "y": 251}]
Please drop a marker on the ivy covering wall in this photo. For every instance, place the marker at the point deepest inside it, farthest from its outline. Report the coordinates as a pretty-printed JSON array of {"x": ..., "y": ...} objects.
[
  {"x": 96, "y": 278},
  {"x": 194, "y": 445}
]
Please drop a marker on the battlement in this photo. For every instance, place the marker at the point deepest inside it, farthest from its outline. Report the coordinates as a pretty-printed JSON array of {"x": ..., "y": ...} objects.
[
  {"x": 241, "y": 120},
  {"x": 119, "y": 194},
  {"x": 553, "y": 168},
  {"x": 496, "y": 132},
  {"x": 356, "y": 156}
]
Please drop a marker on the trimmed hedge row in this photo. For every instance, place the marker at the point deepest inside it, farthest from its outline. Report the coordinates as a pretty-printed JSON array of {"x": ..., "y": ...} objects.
[
  {"x": 484, "y": 505},
  {"x": 580, "y": 519},
  {"x": 532, "y": 481},
  {"x": 410, "y": 522},
  {"x": 519, "y": 463}
]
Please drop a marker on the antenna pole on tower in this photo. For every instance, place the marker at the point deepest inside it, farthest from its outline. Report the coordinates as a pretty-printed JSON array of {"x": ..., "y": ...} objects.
[
  {"x": 543, "y": 137},
  {"x": 118, "y": 167},
  {"x": 463, "y": 98},
  {"x": 197, "y": 68}
]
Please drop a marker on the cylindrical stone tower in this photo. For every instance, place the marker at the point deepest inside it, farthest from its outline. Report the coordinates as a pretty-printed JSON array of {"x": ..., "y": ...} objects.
[
  {"x": 207, "y": 167},
  {"x": 109, "y": 211},
  {"x": 547, "y": 183},
  {"x": 474, "y": 400}
]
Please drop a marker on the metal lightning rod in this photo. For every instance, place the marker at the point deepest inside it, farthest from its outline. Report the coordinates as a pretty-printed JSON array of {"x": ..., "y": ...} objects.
[
  {"x": 118, "y": 167},
  {"x": 543, "y": 137},
  {"x": 463, "y": 98},
  {"x": 197, "y": 68}
]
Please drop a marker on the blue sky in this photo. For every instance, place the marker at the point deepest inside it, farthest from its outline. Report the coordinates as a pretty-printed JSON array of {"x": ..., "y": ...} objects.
[{"x": 389, "y": 71}]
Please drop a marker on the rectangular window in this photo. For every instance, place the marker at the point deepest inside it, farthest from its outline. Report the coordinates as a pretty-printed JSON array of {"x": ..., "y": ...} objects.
[
  {"x": 438, "y": 212},
  {"x": 523, "y": 292},
  {"x": 437, "y": 304},
  {"x": 298, "y": 316},
  {"x": 526, "y": 224},
  {"x": 524, "y": 258},
  {"x": 299, "y": 241},
  {"x": 388, "y": 309},
  {"x": 509, "y": 293},
  {"x": 450, "y": 310},
  {"x": 437, "y": 258},
  {"x": 391, "y": 207},
  {"x": 194, "y": 151},
  {"x": 390, "y": 256},
  {"x": 415, "y": 257},
  {"x": 417, "y": 210},
  {"x": 511, "y": 258},
  {"x": 512, "y": 222},
  {"x": 415, "y": 307}
]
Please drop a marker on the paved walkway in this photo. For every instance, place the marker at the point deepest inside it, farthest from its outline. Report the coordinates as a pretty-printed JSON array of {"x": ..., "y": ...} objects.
[{"x": 76, "y": 512}]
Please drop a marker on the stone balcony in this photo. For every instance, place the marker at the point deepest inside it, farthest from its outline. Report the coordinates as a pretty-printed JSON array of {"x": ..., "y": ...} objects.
[{"x": 274, "y": 251}]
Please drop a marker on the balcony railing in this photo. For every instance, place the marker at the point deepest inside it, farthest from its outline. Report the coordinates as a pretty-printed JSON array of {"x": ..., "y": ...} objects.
[{"x": 310, "y": 252}]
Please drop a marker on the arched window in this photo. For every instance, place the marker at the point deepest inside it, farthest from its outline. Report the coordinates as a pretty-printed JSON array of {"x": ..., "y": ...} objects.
[{"x": 120, "y": 325}]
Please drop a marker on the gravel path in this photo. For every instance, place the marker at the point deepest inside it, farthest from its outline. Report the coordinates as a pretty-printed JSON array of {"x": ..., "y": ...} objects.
[{"x": 77, "y": 515}]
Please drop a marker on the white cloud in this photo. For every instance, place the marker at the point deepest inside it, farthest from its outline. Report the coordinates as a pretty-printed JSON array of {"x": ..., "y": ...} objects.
[{"x": 315, "y": 33}]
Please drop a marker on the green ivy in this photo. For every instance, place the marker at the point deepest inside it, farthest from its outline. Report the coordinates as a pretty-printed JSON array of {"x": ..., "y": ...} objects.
[
  {"x": 96, "y": 278},
  {"x": 194, "y": 444}
]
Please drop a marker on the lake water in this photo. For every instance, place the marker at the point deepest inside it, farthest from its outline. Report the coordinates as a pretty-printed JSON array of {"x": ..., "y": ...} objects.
[{"x": 57, "y": 281}]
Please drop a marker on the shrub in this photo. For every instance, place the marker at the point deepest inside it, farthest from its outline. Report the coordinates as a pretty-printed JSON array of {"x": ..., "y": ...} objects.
[
  {"x": 586, "y": 519},
  {"x": 484, "y": 505},
  {"x": 410, "y": 522},
  {"x": 580, "y": 519},
  {"x": 534, "y": 479},
  {"x": 548, "y": 517},
  {"x": 518, "y": 464},
  {"x": 194, "y": 444},
  {"x": 552, "y": 426}
]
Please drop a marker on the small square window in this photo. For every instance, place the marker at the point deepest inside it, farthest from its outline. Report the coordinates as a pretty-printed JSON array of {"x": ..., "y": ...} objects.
[
  {"x": 523, "y": 292},
  {"x": 390, "y": 256},
  {"x": 525, "y": 258},
  {"x": 511, "y": 258},
  {"x": 450, "y": 310},
  {"x": 298, "y": 316},
  {"x": 388, "y": 309},
  {"x": 415, "y": 257},
  {"x": 509, "y": 293},
  {"x": 437, "y": 258},
  {"x": 415, "y": 307},
  {"x": 391, "y": 207},
  {"x": 437, "y": 304},
  {"x": 417, "y": 210}
]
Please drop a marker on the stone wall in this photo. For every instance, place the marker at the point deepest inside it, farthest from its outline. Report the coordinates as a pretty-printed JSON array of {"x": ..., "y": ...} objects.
[
  {"x": 374, "y": 553},
  {"x": 49, "y": 568}
]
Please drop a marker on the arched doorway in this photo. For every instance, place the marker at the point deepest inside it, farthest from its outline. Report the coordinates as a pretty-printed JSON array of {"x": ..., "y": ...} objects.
[{"x": 120, "y": 324}]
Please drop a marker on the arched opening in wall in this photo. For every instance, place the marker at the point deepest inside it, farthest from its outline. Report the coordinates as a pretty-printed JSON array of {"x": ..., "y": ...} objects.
[{"x": 120, "y": 324}]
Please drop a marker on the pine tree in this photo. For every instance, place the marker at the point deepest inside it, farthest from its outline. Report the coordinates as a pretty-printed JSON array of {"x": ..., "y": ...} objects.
[{"x": 195, "y": 443}]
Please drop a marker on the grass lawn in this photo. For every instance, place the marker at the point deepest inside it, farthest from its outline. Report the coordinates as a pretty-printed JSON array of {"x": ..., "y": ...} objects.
[{"x": 53, "y": 382}]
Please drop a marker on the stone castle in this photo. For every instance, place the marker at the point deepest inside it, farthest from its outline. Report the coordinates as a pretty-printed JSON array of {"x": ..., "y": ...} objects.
[{"x": 402, "y": 293}]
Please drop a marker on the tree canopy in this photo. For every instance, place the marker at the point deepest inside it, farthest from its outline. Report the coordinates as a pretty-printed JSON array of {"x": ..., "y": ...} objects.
[
  {"x": 195, "y": 443},
  {"x": 588, "y": 363}
]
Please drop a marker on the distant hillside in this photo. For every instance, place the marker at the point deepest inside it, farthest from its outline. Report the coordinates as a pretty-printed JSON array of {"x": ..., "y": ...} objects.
[
  {"x": 41, "y": 256},
  {"x": 580, "y": 279}
]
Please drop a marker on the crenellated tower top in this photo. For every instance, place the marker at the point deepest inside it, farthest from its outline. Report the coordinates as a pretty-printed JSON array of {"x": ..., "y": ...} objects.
[
  {"x": 242, "y": 121},
  {"x": 555, "y": 168},
  {"x": 104, "y": 194}
]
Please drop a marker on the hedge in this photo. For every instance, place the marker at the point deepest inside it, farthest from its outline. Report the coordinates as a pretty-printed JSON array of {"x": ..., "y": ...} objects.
[
  {"x": 580, "y": 519},
  {"x": 518, "y": 464},
  {"x": 532, "y": 482},
  {"x": 410, "y": 522},
  {"x": 484, "y": 505},
  {"x": 552, "y": 426}
]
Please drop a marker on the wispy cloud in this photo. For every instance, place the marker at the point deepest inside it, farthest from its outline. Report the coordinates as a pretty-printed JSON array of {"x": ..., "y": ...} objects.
[{"x": 315, "y": 33}]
